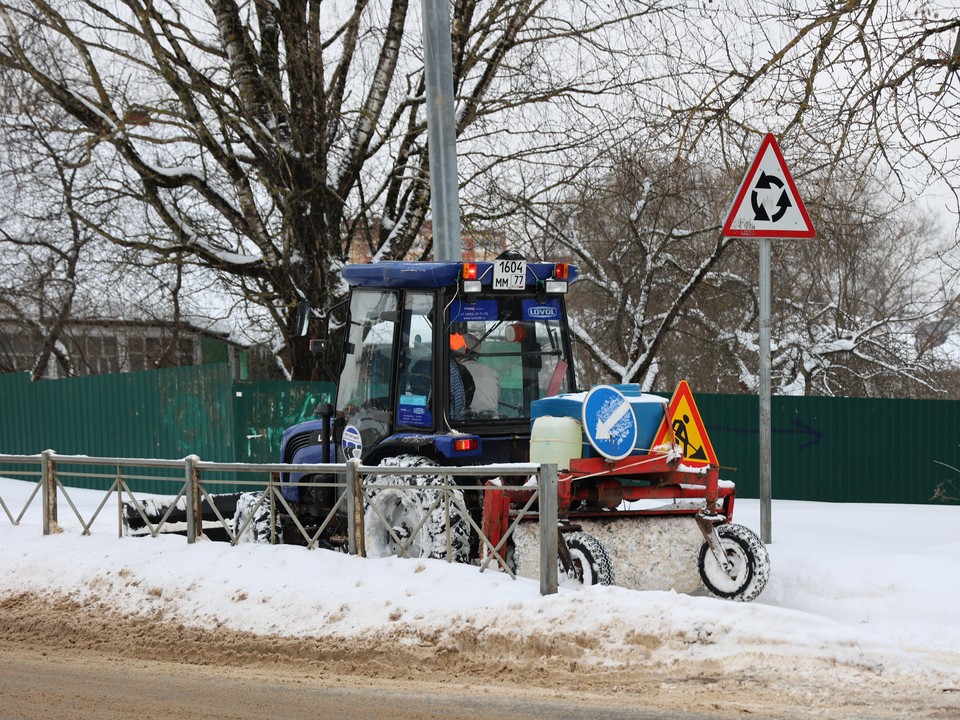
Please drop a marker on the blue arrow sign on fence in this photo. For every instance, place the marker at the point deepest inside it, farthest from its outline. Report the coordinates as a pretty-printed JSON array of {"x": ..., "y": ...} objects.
[{"x": 609, "y": 422}]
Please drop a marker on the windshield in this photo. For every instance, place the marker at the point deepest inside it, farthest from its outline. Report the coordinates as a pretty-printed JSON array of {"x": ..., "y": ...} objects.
[{"x": 513, "y": 352}]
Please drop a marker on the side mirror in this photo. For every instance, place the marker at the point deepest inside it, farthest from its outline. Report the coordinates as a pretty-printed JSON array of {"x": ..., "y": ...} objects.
[
  {"x": 303, "y": 318},
  {"x": 304, "y": 313}
]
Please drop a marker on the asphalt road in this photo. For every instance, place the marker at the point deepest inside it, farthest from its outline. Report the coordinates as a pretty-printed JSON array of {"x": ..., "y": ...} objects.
[{"x": 87, "y": 685}]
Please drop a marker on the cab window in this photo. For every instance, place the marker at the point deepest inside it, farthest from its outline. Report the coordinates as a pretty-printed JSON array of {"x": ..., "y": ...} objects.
[
  {"x": 514, "y": 347},
  {"x": 415, "y": 392}
]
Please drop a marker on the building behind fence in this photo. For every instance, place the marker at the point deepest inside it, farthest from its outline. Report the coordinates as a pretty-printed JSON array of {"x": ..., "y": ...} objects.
[{"x": 828, "y": 449}]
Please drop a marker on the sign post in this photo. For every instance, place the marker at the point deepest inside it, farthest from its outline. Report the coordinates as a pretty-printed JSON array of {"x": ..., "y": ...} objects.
[
  {"x": 767, "y": 206},
  {"x": 766, "y": 453}
]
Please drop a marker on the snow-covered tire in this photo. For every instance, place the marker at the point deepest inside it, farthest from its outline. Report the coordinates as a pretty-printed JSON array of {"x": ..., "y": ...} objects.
[
  {"x": 751, "y": 565},
  {"x": 404, "y": 508},
  {"x": 593, "y": 564},
  {"x": 258, "y": 529}
]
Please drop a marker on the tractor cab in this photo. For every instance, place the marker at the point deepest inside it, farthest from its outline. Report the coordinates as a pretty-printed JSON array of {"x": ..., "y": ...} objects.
[{"x": 444, "y": 360}]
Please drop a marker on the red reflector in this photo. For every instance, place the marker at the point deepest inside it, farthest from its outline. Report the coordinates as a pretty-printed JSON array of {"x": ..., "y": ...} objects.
[
  {"x": 561, "y": 271},
  {"x": 469, "y": 271},
  {"x": 466, "y": 444}
]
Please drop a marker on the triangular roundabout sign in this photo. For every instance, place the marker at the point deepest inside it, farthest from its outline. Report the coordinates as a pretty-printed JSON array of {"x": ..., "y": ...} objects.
[{"x": 767, "y": 204}]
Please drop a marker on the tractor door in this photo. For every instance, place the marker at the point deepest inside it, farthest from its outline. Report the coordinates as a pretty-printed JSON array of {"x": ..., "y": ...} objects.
[
  {"x": 417, "y": 388},
  {"x": 365, "y": 390}
]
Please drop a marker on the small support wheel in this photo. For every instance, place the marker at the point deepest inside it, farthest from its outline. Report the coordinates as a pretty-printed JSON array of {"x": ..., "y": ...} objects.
[
  {"x": 749, "y": 560},
  {"x": 591, "y": 563}
]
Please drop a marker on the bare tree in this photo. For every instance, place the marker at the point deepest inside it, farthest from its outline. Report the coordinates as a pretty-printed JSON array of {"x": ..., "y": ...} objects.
[
  {"x": 876, "y": 84},
  {"x": 645, "y": 237},
  {"x": 42, "y": 237},
  {"x": 664, "y": 297},
  {"x": 58, "y": 277},
  {"x": 270, "y": 141},
  {"x": 850, "y": 302}
]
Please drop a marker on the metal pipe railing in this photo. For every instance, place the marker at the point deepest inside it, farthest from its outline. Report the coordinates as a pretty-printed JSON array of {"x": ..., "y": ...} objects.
[{"x": 191, "y": 487}]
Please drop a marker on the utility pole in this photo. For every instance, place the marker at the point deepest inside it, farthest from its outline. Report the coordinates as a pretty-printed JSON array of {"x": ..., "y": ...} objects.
[{"x": 441, "y": 131}]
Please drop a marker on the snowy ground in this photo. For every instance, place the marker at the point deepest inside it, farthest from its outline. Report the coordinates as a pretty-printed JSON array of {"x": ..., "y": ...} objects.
[{"x": 866, "y": 592}]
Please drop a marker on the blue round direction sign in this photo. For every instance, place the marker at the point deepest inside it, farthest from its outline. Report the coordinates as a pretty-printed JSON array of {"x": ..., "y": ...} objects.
[
  {"x": 609, "y": 422},
  {"x": 351, "y": 442}
]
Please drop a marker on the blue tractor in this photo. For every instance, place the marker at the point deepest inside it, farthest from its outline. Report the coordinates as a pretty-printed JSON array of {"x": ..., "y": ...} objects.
[
  {"x": 441, "y": 365},
  {"x": 469, "y": 363}
]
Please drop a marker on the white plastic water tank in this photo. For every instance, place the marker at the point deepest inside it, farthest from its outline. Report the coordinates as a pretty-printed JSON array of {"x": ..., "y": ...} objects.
[{"x": 555, "y": 440}]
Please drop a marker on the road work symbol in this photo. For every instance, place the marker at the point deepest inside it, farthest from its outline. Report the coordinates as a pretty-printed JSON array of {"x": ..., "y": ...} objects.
[
  {"x": 609, "y": 422},
  {"x": 680, "y": 433},
  {"x": 687, "y": 428}
]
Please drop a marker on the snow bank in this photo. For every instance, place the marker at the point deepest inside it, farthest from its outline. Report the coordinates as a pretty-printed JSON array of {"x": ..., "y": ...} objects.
[{"x": 866, "y": 587}]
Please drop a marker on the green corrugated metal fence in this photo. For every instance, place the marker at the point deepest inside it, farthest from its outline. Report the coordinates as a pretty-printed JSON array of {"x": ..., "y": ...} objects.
[
  {"x": 838, "y": 449},
  {"x": 167, "y": 414},
  {"x": 829, "y": 449},
  {"x": 263, "y": 409}
]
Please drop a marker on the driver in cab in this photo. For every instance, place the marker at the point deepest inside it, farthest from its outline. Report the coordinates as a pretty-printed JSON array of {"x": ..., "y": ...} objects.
[{"x": 481, "y": 384}]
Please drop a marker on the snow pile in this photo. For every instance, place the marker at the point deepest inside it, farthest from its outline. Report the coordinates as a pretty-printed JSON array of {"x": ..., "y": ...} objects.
[{"x": 863, "y": 589}]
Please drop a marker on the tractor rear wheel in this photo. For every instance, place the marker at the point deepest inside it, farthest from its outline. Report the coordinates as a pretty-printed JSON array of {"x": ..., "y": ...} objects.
[
  {"x": 591, "y": 563},
  {"x": 749, "y": 560},
  {"x": 394, "y": 513}
]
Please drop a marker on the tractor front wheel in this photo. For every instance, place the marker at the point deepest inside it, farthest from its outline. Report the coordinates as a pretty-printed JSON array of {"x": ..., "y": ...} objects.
[
  {"x": 414, "y": 515},
  {"x": 251, "y": 521}
]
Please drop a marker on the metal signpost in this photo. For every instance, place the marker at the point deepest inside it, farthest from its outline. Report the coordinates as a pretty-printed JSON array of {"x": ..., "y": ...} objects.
[
  {"x": 441, "y": 131},
  {"x": 767, "y": 206}
]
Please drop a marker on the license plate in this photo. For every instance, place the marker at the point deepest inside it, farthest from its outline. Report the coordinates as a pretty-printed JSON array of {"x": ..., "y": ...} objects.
[{"x": 509, "y": 274}]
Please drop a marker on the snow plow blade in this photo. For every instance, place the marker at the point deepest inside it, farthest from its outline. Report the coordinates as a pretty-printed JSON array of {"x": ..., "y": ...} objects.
[
  {"x": 646, "y": 553},
  {"x": 651, "y": 522},
  {"x": 655, "y": 553}
]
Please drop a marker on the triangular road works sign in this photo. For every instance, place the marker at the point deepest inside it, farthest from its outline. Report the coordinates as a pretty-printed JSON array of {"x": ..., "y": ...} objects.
[
  {"x": 767, "y": 204},
  {"x": 687, "y": 428}
]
